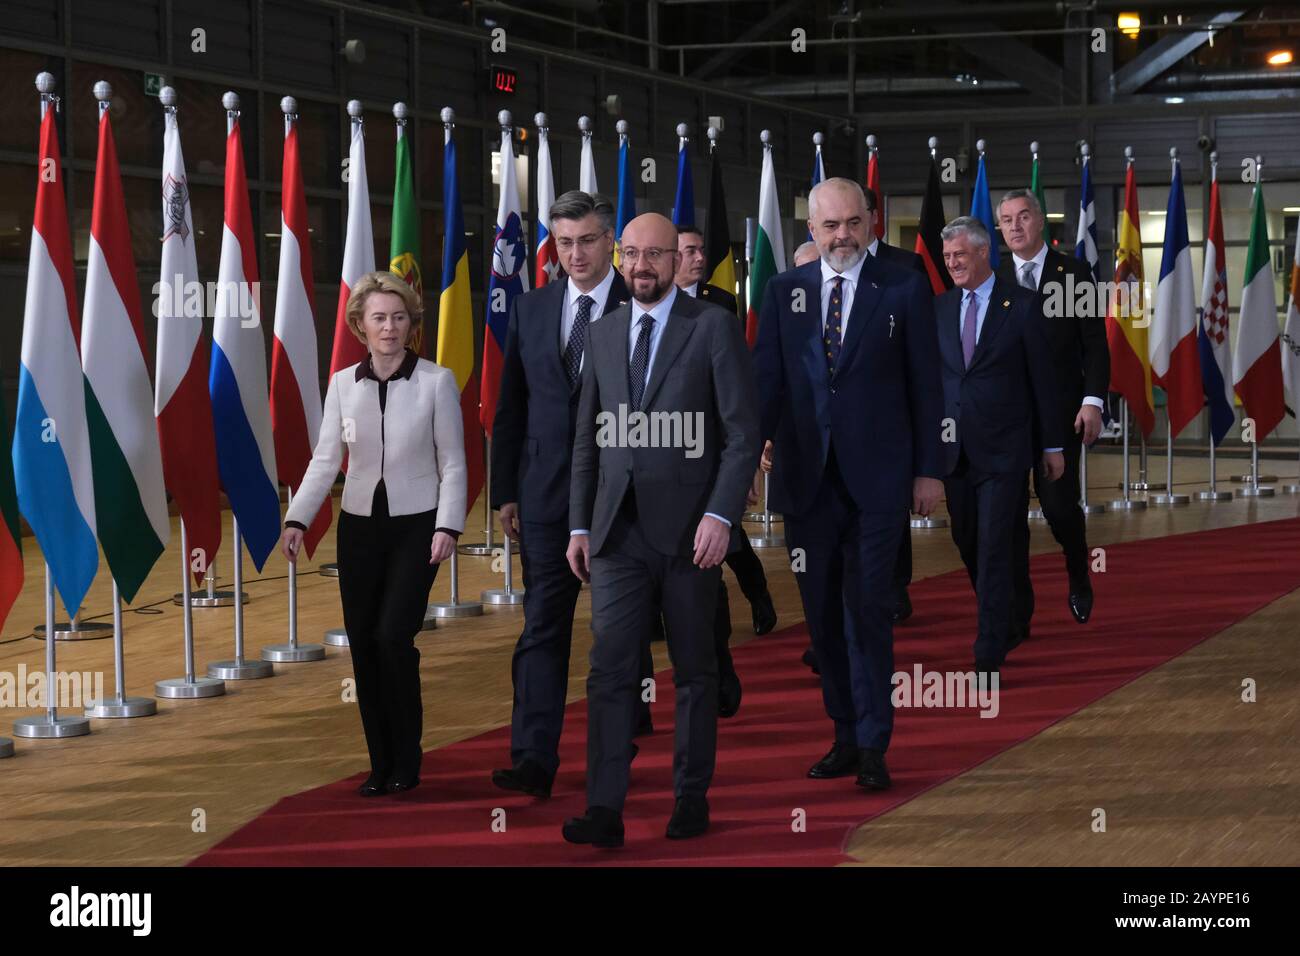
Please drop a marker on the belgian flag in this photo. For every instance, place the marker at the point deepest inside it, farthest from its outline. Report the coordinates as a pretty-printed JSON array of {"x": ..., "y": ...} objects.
[{"x": 717, "y": 238}]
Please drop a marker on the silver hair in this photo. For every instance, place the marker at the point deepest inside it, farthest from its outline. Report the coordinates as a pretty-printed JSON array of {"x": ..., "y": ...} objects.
[
  {"x": 575, "y": 204},
  {"x": 967, "y": 226},
  {"x": 808, "y": 248},
  {"x": 840, "y": 182},
  {"x": 1024, "y": 194}
]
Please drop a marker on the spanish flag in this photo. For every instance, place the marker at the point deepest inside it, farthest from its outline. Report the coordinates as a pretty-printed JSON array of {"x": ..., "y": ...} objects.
[{"x": 1126, "y": 331}]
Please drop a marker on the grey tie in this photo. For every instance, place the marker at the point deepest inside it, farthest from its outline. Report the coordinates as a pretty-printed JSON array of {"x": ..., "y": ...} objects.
[
  {"x": 640, "y": 361},
  {"x": 1027, "y": 276}
]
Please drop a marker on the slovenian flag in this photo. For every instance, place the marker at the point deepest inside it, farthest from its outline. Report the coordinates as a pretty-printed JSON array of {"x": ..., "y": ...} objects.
[
  {"x": 1212, "y": 330},
  {"x": 684, "y": 198},
  {"x": 769, "y": 244},
  {"x": 981, "y": 208},
  {"x": 509, "y": 278},
  {"x": 52, "y": 470},
  {"x": 241, "y": 414},
  {"x": 1257, "y": 359},
  {"x": 1175, "y": 360},
  {"x": 546, "y": 263}
]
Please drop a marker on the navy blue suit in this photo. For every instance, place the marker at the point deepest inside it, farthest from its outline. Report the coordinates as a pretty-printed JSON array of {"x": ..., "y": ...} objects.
[
  {"x": 1004, "y": 409},
  {"x": 847, "y": 447}
]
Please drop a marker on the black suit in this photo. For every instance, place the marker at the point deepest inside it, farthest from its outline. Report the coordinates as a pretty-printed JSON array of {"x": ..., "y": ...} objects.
[
  {"x": 716, "y": 296},
  {"x": 1080, "y": 359},
  {"x": 1002, "y": 405}
]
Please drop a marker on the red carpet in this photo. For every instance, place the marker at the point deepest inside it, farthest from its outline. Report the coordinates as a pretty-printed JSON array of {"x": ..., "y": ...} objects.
[{"x": 1159, "y": 598}]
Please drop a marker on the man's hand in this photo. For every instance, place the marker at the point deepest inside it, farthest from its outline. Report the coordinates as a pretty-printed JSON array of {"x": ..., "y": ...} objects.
[
  {"x": 1088, "y": 421},
  {"x": 509, "y": 517},
  {"x": 926, "y": 493},
  {"x": 765, "y": 462},
  {"x": 1053, "y": 465},
  {"x": 711, "y": 540},
  {"x": 291, "y": 544},
  {"x": 579, "y": 555},
  {"x": 441, "y": 547}
]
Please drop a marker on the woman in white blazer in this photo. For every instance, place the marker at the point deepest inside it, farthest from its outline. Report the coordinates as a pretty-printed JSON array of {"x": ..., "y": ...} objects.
[{"x": 399, "y": 417}]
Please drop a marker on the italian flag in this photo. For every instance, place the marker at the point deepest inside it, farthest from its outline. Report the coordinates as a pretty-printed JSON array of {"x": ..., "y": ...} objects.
[
  {"x": 1257, "y": 358},
  {"x": 769, "y": 246}
]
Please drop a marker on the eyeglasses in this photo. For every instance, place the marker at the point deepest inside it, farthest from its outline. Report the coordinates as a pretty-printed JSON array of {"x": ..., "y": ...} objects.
[
  {"x": 585, "y": 242},
  {"x": 651, "y": 256}
]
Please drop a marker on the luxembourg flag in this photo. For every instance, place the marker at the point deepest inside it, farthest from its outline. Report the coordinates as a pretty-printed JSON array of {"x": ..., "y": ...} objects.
[
  {"x": 295, "y": 374},
  {"x": 237, "y": 381},
  {"x": 1175, "y": 360},
  {"x": 546, "y": 261},
  {"x": 1212, "y": 330},
  {"x": 509, "y": 278},
  {"x": 1257, "y": 359},
  {"x": 130, "y": 504},
  {"x": 684, "y": 198},
  {"x": 56, "y": 490},
  {"x": 358, "y": 246},
  {"x": 769, "y": 245}
]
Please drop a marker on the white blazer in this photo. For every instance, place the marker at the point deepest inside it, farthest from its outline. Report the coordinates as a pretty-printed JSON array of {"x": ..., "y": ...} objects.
[{"x": 417, "y": 446}]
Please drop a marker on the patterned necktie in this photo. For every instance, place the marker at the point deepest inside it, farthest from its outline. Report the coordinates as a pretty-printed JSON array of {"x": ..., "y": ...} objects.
[
  {"x": 831, "y": 337},
  {"x": 1027, "y": 276},
  {"x": 968, "y": 327},
  {"x": 577, "y": 340},
  {"x": 640, "y": 361}
]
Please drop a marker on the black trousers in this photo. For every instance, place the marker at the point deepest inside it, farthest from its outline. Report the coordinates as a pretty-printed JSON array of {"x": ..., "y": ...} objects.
[
  {"x": 748, "y": 569},
  {"x": 1060, "y": 501},
  {"x": 384, "y": 581}
]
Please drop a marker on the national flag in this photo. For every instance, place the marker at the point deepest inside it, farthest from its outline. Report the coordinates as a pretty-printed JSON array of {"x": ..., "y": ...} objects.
[
  {"x": 182, "y": 405},
  {"x": 404, "y": 245},
  {"x": 818, "y": 170},
  {"x": 241, "y": 414},
  {"x": 587, "y": 171},
  {"x": 1126, "y": 331},
  {"x": 11, "y": 537},
  {"x": 1036, "y": 184},
  {"x": 295, "y": 372},
  {"x": 52, "y": 470},
  {"x": 1212, "y": 330},
  {"x": 720, "y": 262},
  {"x": 1257, "y": 358},
  {"x": 769, "y": 245},
  {"x": 546, "y": 260},
  {"x": 929, "y": 244},
  {"x": 626, "y": 211},
  {"x": 981, "y": 208},
  {"x": 1175, "y": 357},
  {"x": 456, "y": 319},
  {"x": 873, "y": 187},
  {"x": 509, "y": 278},
  {"x": 358, "y": 250},
  {"x": 1291, "y": 334},
  {"x": 130, "y": 504},
  {"x": 1085, "y": 243},
  {"x": 684, "y": 199}
]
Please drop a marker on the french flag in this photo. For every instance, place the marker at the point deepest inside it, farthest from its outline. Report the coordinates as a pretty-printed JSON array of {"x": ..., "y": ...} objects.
[
  {"x": 1175, "y": 360},
  {"x": 546, "y": 263},
  {"x": 1212, "y": 330},
  {"x": 241, "y": 415}
]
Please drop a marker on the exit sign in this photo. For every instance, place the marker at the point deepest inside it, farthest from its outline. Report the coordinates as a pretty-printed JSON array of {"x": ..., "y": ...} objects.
[{"x": 153, "y": 83}]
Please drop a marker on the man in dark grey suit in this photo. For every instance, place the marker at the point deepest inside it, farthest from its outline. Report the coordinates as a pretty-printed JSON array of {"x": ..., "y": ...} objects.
[{"x": 665, "y": 450}]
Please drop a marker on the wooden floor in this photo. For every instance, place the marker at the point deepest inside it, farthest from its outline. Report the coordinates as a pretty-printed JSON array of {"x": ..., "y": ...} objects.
[{"x": 1186, "y": 773}]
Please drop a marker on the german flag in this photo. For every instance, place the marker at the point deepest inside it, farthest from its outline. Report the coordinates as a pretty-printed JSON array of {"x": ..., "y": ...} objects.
[{"x": 929, "y": 246}]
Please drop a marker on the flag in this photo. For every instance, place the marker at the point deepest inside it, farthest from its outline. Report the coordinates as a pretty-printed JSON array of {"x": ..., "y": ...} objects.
[
  {"x": 358, "y": 252},
  {"x": 1212, "y": 330},
  {"x": 873, "y": 186},
  {"x": 721, "y": 264},
  {"x": 626, "y": 197},
  {"x": 1036, "y": 185},
  {"x": 509, "y": 278},
  {"x": 1175, "y": 356},
  {"x": 1257, "y": 358},
  {"x": 130, "y": 504},
  {"x": 456, "y": 320},
  {"x": 769, "y": 245},
  {"x": 684, "y": 200},
  {"x": 981, "y": 208},
  {"x": 818, "y": 172},
  {"x": 1291, "y": 335},
  {"x": 587, "y": 172},
  {"x": 240, "y": 400},
  {"x": 182, "y": 405},
  {"x": 11, "y": 538},
  {"x": 404, "y": 246},
  {"x": 295, "y": 373},
  {"x": 929, "y": 244},
  {"x": 1085, "y": 244},
  {"x": 1126, "y": 332},
  {"x": 546, "y": 261}
]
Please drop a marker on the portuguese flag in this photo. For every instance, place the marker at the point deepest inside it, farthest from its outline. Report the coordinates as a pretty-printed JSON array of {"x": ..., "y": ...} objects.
[
  {"x": 404, "y": 250},
  {"x": 11, "y": 542},
  {"x": 769, "y": 246}
]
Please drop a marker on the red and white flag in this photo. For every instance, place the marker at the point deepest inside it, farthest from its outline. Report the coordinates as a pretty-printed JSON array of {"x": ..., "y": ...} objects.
[
  {"x": 358, "y": 246},
  {"x": 546, "y": 261}
]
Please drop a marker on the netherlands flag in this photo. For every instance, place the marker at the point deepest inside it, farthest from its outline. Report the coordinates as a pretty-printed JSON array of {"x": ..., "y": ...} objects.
[
  {"x": 509, "y": 278},
  {"x": 547, "y": 262}
]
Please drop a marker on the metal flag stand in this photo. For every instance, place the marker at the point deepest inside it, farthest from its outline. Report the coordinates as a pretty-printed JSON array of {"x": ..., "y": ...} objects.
[
  {"x": 487, "y": 547},
  {"x": 508, "y": 594},
  {"x": 930, "y": 521},
  {"x": 239, "y": 668},
  {"x": 1253, "y": 488},
  {"x": 293, "y": 652},
  {"x": 1126, "y": 503},
  {"x": 1084, "y": 506},
  {"x": 1212, "y": 493},
  {"x": 51, "y": 725},
  {"x": 188, "y": 687},
  {"x": 120, "y": 705},
  {"x": 768, "y": 538},
  {"x": 1292, "y": 489}
]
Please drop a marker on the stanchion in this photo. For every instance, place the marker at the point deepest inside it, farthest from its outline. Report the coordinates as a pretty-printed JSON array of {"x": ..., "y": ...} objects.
[
  {"x": 454, "y": 606},
  {"x": 487, "y": 547},
  {"x": 188, "y": 687},
  {"x": 1212, "y": 493},
  {"x": 1253, "y": 489},
  {"x": 1142, "y": 484},
  {"x": 51, "y": 725},
  {"x": 506, "y": 595},
  {"x": 1126, "y": 503},
  {"x": 1293, "y": 489},
  {"x": 239, "y": 668},
  {"x": 293, "y": 652},
  {"x": 121, "y": 705},
  {"x": 768, "y": 538},
  {"x": 210, "y": 597},
  {"x": 1170, "y": 497}
]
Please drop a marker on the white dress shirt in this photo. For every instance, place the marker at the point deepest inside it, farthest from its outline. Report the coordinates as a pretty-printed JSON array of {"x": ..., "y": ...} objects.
[
  {"x": 569, "y": 310},
  {"x": 692, "y": 290},
  {"x": 1039, "y": 260},
  {"x": 847, "y": 288}
]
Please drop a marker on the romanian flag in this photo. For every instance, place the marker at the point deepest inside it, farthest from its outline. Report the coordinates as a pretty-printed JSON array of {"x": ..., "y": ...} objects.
[{"x": 1126, "y": 331}]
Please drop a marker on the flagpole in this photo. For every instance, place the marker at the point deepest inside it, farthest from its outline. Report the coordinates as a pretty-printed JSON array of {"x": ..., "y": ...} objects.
[
  {"x": 1253, "y": 488},
  {"x": 1170, "y": 497},
  {"x": 713, "y": 133},
  {"x": 1126, "y": 503},
  {"x": 1087, "y": 508},
  {"x": 188, "y": 687},
  {"x": 293, "y": 652},
  {"x": 121, "y": 705},
  {"x": 239, "y": 668}
]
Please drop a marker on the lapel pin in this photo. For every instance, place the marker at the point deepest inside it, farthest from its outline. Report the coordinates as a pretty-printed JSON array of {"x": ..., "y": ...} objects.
[
  {"x": 891, "y": 325},
  {"x": 1006, "y": 303},
  {"x": 1060, "y": 268}
]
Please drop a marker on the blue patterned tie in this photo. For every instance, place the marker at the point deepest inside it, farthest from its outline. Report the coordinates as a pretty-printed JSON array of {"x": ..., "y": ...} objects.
[
  {"x": 577, "y": 340},
  {"x": 831, "y": 337},
  {"x": 640, "y": 361}
]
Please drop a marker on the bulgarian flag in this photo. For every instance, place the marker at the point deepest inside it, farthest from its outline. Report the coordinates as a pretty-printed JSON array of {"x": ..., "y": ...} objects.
[
  {"x": 1257, "y": 358},
  {"x": 1126, "y": 331},
  {"x": 11, "y": 538},
  {"x": 404, "y": 247},
  {"x": 769, "y": 245},
  {"x": 126, "y": 462}
]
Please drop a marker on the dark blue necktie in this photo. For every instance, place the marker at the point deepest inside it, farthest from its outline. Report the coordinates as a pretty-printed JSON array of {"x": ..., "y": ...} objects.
[
  {"x": 577, "y": 340},
  {"x": 640, "y": 361},
  {"x": 832, "y": 337}
]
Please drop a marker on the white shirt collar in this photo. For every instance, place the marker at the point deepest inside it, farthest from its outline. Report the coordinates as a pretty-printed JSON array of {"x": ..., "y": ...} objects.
[
  {"x": 659, "y": 312},
  {"x": 851, "y": 274},
  {"x": 983, "y": 290},
  {"x": 599, "y": 293},
  {"x": 875, "y": 244},
  {"x": 1037, "y": 260},
  {"x": 693, "y": 290}
]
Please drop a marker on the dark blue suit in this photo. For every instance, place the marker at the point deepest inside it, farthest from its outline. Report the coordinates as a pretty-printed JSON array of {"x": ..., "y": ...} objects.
[
  {"x": 847, "y": 447},
  {"x": 1004, "y": 409}
]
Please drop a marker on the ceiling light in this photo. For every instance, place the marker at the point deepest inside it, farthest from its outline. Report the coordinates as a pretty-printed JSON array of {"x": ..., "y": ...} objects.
[
  {"x": 1130, "y": 24},
  {"x": 1280, "y": 58},
  {"x": 1175, "y": 100}
]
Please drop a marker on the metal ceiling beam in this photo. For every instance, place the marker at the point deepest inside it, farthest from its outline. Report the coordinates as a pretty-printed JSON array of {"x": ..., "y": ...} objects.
[
  {"x": 1163, "y": 54},
  {"x": 761, "y": 29}
]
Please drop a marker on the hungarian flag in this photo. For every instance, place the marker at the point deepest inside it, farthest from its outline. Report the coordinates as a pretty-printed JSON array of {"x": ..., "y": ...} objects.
[
  {"x": 130, "y": 503},
  {"x": 1291, "y": 334},
  {"x": 1036, "y": 185},
  {"x": 182, "y": 406},
  {"x": 456, "y": 320},
  {"x": 1175, "y": 359},
  {"x": 358, "y": 251},
  {"x": 546, "y": 261},
  {"x": 721, "y": 267},
  {"x": 684, "y": 198},
  {"x": 1257, "y": 359},
  {"x": 241, "y": 414},
  {"x": 587, "y": 171},
  {"x": 295, "y": 372},
  {"x": 1212, "y": 330},
  {"x": 873, "y": 187},
  {"x": 929, "y": 245},
  {"x": 11, "y": 537},
  {"x": 769, "y": 245},
  {"x": 509, "y": 278},
  {"x": 52, "y": 470},
  {"x": 818, "y": 172},
  {"x": 981, "y": 208},
  {"x": 626, "y": 211},
  {"x": 404, "y": 247},
  {"x": 1126, "y": 332}
]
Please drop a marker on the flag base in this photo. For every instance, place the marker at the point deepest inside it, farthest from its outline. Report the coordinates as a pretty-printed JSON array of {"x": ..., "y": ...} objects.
[
  {"x": 486, "y": 549},
  {"x": 1214, "y": 496},
  {"x": 240, "y": 670},
  {"x": 1254, "y": 491},
  {"x": 336, "y": 637},
  {"x": 1128, "y": 504},
  {"x": 769, "y": 540},
  {"x": 178, "y": 688},
  {"x": 1170, "y": 500},
  {"x": 215, "y": 599},
  {"x": 1092, "y": 509},
  {"x": 502, "y": 597},
  {"x": 329, "y": 570},
  {"x": 46, "y": 728},
  {"x": 929, "y": 522},
  {"x": 1036, "y": 514},
  {"x": 124, "y": 707},
  {"x": 459, "y": 609},
  {"x": 80, "y": 631},
  {"x": 293, "y": 653}
]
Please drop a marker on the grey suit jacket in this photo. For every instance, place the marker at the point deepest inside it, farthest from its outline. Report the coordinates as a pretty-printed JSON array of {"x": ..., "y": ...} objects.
[{"x": 701, "y": 374}]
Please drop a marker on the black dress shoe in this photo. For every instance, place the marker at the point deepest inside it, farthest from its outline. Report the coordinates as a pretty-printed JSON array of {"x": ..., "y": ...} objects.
[
  {"x": 729, "y": 691},
  {"x": 527, "y": 776},
  {"x": 374, "y": 786},
  {"x": 1081, "y": 605},
  {"x": 985, "y": 672},
  {"x": 904, "y": 609},
  {"x": 842, "y": 761},
  {"x": 764, "y": 614},
  {"x": 810, "y": 661},
  {"x": 872, "y": 773},
  {"x": 690, "y": 818},
  {"x": 403, "y": 784},
  {"x": 599, "y": 826}
]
